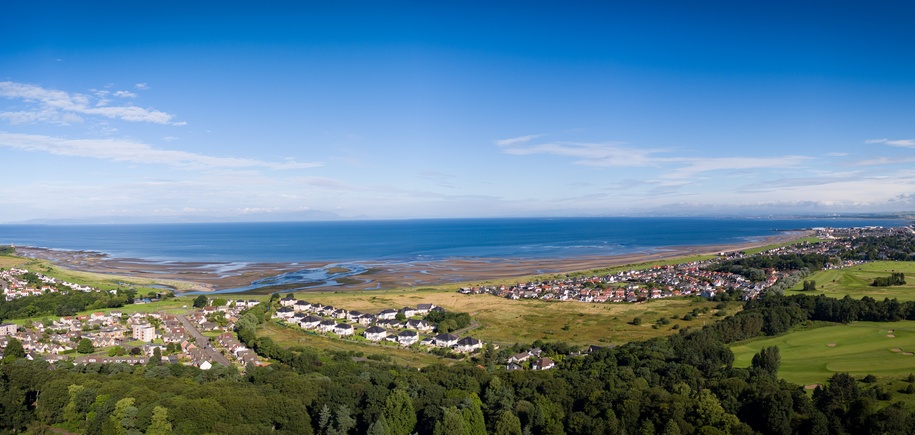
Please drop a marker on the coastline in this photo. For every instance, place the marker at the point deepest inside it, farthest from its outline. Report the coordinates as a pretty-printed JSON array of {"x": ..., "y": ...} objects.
[{"x": 226, "y": 276}]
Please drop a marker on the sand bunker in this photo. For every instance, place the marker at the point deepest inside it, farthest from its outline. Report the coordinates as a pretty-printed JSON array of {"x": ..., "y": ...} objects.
[
  {"x": 891, "y": 335},
  {"x": 896, "y": 349},
  {"x": 811, "y": 386},
  {"x": 830, "y": 345},
  {"x": 908, "y": 353}
]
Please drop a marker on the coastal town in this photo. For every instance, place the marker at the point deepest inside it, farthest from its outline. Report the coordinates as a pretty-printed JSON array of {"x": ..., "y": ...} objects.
[{"x": 694, "y": 278}]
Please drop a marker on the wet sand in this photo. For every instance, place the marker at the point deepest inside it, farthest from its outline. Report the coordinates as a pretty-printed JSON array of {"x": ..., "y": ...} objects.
[{"x": 380, "y": 275}]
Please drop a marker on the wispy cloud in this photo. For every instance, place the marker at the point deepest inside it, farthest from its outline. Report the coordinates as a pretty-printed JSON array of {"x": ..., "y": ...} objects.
[
  {"x": 619, "y": 154},
  {"x": 904, "y": 143},
  {"x": 517, "y": 140},
  {"x": 141, "y": 86},
  {"x": 60, "y": 107},
  {"x": 129, "y": 151},
  {"x": 591, "y": 154}
]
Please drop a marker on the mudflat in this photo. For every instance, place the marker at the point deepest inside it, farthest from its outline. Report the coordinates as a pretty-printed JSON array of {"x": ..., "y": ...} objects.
[{"x": 379, "y": 275}]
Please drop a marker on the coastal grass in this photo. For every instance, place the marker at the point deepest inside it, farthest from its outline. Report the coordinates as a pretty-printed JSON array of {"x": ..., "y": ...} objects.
[
  {"x": 504, "y": 321},
  {"x": 855, "y": 281},
  {"x": 102, "y": 281},
  {"x": 8, "y": 261},
  {"x": 811, "y": 356},
  {"x": 288, "y": 337}
]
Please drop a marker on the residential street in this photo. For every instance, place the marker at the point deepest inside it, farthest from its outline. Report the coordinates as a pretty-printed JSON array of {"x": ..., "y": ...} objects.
[{"x": 203, "y": 342}]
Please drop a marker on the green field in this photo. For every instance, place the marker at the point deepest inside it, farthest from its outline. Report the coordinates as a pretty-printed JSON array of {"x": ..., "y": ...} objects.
[
  {"x": 884, "y": 349},
  {"x": 855, "y": 281}
]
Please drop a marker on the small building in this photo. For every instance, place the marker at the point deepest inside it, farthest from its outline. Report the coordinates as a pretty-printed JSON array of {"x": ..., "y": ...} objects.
[
  {"x": 344, "y": 329},
  {"x": 375, "y": 333},
  {"x": 446, "y": 340},
  {"x": 468, "y": 344},
  {"x": 407, "y": 338}
]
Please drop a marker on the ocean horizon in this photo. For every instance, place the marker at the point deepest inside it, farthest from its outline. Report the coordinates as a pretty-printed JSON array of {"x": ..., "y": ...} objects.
[{"x": 410, "y": 240}]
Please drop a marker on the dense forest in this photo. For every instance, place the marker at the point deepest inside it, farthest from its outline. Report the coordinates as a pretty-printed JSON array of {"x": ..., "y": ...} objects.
[{"x": 684, "y": 383}]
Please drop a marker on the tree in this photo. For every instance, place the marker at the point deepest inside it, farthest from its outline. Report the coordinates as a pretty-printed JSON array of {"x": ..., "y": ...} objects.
[
  {"x": 159, "y": 424},
  {"x": 85, "y": 346},
  {"x": 767, "y": 360},
  {"x": 156, "y": 356},
  {"x": 13, "y": 350},
  {"x": 200, "y": 301},
  {"x": 398, "y": 413},
  {"x": 508, "y": 424},
  {"x": 451, "y": 422}
]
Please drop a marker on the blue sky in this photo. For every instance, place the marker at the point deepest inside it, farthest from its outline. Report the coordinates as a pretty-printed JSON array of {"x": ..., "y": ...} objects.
[{"x": 225, "y": 111}]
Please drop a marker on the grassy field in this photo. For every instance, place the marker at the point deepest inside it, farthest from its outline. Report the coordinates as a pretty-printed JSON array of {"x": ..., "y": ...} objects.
[
  {"x": 507, "y": 322},
  {"x": 855, "y": 281},
  {"x": 97, "y": 280},
  {"x": 884, "y": 349}
]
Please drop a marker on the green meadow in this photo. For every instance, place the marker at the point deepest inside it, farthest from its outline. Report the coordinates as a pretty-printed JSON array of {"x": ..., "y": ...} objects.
[
  {"x": 810, "y": 356},
  {"x": 855, "y": 281}
]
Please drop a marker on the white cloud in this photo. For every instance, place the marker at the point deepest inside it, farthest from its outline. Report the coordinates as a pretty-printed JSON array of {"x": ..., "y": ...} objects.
[
  {"x": 616, "y": 154},
  {"x": 517, "y": 140},
  {"x": 590, "y": 154},
  {"x": 905, "y": 143},
  {"x": 141, "y": 86},
  {"x": 125, "y": 94},
  {"x": 53, "y": 106},
  {"x": 128, "y": 151}
]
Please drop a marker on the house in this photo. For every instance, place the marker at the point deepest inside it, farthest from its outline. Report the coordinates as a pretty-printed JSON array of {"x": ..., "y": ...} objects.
[
  {"x": 513, "y": 366},
  {"x": 446, "y": 340},
  {"x": 468, "y": 344},
  {"x": 326, "y": 325},
  {"x": 387, "y": 315},
  {"x": 406, "y": 338},
  {"x": 390, "y": 324},
  {"x": 366, "y": 319},
  {"x": 288, "y": 300},
  {"x": 419, "y": 325},
  {"x": 344, "y": 329},
  {"x": 285, "y": 313},
  {"x": 302, "y": 306},
  {"x": 408, "y": 312},
  {"x": 375, "y": 333},
  {"x": 423, "y": 309},
  {"x": 310, "y": 322},
  {"x": 544, "y": 363},
  {"x": 519, "y": 358}
]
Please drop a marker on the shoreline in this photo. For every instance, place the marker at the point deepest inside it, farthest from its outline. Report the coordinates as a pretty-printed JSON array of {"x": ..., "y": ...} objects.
[{"x": 375, "y": 275}]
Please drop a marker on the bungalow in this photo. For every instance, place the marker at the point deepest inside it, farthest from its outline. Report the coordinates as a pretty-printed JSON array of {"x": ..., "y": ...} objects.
[
  {"x": 428, "y": 341},
  {"x": 419, "y": 325},
  {"x": 391, "y": 324},
  {"x": 375, "y": 333},
  {"x": 468, "y": 344},
  {"x": 344, "y": 329},
  {"x": 406, "y": 338},
  {"x": 544, "y": 363},
  {"x": 446, "y": 340},
  {"x": 519, "y": 358}
]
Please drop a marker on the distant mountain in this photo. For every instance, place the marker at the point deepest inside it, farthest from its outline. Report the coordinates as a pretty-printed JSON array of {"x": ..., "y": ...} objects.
[{"x": 296, "y": 216}]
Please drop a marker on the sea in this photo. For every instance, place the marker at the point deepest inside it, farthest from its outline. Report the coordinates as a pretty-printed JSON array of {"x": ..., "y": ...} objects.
[{"x": 411, "y": 240}]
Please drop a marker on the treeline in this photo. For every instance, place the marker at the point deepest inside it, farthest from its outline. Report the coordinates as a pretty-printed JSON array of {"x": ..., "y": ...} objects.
[
  {"x": 897, "y": 278},
  {"x": 896, "y": 247},
  {"x": 752, "y": 267},
  {"x": 681, "y": 384},
  {"x": 448, "y": 321},
  {"x": 64, "y": 304},
  {"x": 7, "y": 250}
]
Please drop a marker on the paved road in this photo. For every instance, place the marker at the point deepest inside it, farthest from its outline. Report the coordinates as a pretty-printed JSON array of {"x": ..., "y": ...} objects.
[{"x": 203, "y": 342}]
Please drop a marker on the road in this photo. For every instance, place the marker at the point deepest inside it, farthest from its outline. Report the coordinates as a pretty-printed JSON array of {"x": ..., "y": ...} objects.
[{"x": 203, "y": 342}]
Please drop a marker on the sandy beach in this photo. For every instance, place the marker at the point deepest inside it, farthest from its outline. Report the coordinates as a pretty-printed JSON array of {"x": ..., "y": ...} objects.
[{"x": 379, "y": 275}]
